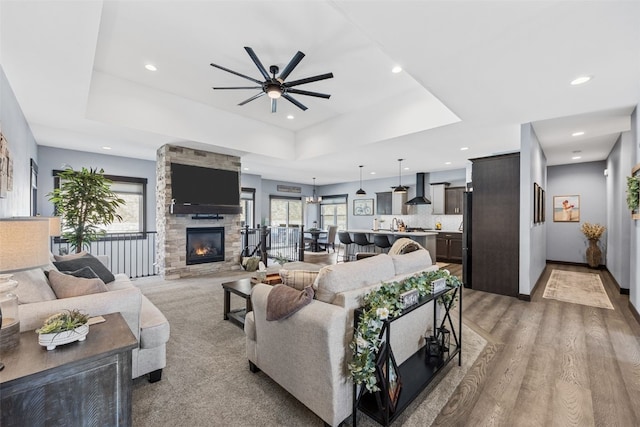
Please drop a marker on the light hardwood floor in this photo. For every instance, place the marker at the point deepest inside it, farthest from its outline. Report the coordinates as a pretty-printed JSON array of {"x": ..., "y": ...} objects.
[{"x": 549, "y": 363}]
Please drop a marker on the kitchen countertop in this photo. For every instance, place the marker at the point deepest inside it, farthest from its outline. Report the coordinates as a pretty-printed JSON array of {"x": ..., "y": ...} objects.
[{"x": 396, "y": 233}]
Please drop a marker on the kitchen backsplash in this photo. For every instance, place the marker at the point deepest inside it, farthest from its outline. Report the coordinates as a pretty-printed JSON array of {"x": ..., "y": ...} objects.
[{"x": 420, "y": 216}]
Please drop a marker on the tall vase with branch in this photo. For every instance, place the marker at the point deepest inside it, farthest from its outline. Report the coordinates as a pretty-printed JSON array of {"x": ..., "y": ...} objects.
[
  {"x": 593, "y": 232},
  {"x": 86, "y": 203}
]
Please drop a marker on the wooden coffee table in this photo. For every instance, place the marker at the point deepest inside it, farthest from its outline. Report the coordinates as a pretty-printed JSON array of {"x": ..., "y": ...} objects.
[{"x": 242, "y": 288}]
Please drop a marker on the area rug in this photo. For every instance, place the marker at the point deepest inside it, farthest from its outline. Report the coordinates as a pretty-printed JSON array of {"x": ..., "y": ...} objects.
[
  {"x": 577, "y": 288},
  {"x": 207, "y": 381}
]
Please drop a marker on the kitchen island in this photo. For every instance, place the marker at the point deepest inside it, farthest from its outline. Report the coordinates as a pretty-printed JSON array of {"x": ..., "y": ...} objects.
[{"x": 426, "y": 239}]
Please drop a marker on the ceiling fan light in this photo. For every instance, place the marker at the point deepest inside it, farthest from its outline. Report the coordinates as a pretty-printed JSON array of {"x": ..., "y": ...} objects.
[{"x": 274, "y": 92}]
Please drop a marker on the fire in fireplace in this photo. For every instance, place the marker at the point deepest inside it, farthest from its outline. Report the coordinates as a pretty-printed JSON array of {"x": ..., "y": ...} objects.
[{"x": 205, "y": 244}]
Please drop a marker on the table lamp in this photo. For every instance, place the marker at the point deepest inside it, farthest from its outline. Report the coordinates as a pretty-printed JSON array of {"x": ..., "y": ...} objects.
[{"x": 23, "y": 245}]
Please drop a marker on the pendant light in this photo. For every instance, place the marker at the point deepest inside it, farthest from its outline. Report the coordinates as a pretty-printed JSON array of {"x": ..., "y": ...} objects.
[
  {"x": 400, "y": 188},
  {"x": 361, "y": 192},
  {"x": 315, "y": 199}
]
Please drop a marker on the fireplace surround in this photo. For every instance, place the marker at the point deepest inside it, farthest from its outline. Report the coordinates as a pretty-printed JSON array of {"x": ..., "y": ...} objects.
[{"x": 205, "y": 244}]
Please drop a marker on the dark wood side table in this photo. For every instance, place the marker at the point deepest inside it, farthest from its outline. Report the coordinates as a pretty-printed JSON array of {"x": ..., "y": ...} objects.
[
  {"x": 242, "y": 288},
  {"x": 77, "y": 384}
]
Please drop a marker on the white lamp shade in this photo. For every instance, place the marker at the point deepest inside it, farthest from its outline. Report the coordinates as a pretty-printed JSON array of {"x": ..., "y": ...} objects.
[
  {"x": 55, "y": 226},
  {"x": 24, "y": 243}
]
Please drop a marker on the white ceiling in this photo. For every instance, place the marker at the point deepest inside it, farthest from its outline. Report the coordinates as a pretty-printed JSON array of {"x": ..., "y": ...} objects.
[{"x": 473, "y": 72}]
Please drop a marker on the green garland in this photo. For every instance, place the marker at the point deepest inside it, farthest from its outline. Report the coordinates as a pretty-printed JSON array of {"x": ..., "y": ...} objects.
[{"x": 378, "y": 306}]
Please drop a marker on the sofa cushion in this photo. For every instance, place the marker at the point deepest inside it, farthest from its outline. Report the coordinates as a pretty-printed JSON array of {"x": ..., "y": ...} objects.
[
  {"x": 87, "y": 260},
  {"x": 67, "y": 286},
  {"x": 84, "y": 272},
  {"x": 412, "y": 261},
  {"x": 154, "y": 327},
  {"x": 298, "y": 279},
  {"x": 284, "y": 301},
  {"x": 58, "y": 258},
  {"x": 33, "y": 286},
  {"x": 122, "y": 282},
  {"x": 347, "y": 276}
]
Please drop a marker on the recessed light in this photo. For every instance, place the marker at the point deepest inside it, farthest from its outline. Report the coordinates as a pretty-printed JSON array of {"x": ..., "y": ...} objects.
[
  {"x": 576, "y": 157},
  {"x": 106, "y": 148},
  {"x": 245, "y": 168},
  {"x": 406, "y": 168},
  {"x": 151, "y": 67},
  {"x": 397, "y": 69},
  {"x": 290, "y": 117},
  {"x": 372, "y": 173},
  {"x": 464, "y": 148},
  {"x": 577, "y": 133},
  {"x": 447, "y": 163},
  {"x": 580, "y": 80}
]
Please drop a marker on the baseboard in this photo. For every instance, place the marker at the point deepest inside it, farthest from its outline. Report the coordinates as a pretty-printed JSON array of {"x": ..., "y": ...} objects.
[
  {"x": 623, "y": 291},
  {"x": 524, "y": 297},
  {"x": 577, "y": 264}
]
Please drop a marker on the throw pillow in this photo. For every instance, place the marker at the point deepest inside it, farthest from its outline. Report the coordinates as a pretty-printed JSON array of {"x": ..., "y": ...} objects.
[
  {"x": 32, "y": 286},
  {"x": 84, "y": 272},
  {"x": 69, "y": 256},
  {"x": 87, "y": 260},
  {"x": 67, "y": 286},
  {"x": 298, "y": 279},
  {"x": 284, "y": 301},
  {"x": 412, "y": 262}
]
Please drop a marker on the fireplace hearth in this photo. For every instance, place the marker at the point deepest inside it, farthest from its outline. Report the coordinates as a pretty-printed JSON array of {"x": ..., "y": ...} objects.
[{"x": 205, "y": 244}]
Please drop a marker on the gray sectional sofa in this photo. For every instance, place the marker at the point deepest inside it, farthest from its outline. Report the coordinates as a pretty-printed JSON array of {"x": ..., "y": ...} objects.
[
  {"x": 37, "y": 301},
  {"x": 307, "y": 353}
]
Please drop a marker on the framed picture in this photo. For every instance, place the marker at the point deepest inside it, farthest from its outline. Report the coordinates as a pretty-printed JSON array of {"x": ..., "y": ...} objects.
[
  {"x": 566, "y": 208},
  {"x": 542, "y": 205},
  {"x": 363, "y": 207},
  {"x": 391, "y": 384},
  {"x": 536, "y": 203}
]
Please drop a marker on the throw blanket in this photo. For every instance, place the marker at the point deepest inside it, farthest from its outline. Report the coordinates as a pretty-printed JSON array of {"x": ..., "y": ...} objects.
[{"x": 283, "y": 301}]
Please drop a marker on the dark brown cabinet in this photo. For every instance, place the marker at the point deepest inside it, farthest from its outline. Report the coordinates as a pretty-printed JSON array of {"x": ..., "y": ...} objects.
[
  {"x": 449, "y": 247},
  {"x": 453, "y": 200},
  {"x": 384, "y": 203},
  {"x": 495, "y": 224}
]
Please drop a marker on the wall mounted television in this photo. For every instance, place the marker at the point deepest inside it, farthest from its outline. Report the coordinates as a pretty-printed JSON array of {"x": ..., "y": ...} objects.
[{"x": 196, "y": 189}]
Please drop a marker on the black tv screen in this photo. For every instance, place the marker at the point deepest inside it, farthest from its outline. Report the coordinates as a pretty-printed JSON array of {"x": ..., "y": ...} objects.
[{"x": 197, "y": 185}]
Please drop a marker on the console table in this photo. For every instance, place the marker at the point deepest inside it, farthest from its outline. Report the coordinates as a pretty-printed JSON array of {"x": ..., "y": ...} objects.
[
  {"x": 416, "y": 372},
  {"x": 82, "y": 383}
]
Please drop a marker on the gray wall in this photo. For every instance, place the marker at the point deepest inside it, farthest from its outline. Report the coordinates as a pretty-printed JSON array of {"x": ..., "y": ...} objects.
[
  {"x": 565, "y": 241},
  {"x": 634, "y": 259},
  {"x": 533, "y": 237},
  {"x": 56, "y": 158},
  {"x": 22, "y": 148}
]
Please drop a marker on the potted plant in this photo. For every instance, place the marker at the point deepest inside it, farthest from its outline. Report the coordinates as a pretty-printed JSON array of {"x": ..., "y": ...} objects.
[
  {"x": 86, "y": 203},
  {"x": 62, "y": 328},
  {"x": 593, "y": 232},
  {"x": 633, "y": 192}
]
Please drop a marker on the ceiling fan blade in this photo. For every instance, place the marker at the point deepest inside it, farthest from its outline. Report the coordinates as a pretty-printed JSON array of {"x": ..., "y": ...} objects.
[
  {"x": 239, "y": 87},
  {"x": 252, "y": 98},
  {"x": 294, "y": 102},
  {"x": 274, "y": 105},
  {"x": 308, "y": 80},
  {"x": 306, "y": 92},
  {"x": 236, "y": 73},
  {"x": 256, "y": 61},
  {"x": 291, "y": 65}
]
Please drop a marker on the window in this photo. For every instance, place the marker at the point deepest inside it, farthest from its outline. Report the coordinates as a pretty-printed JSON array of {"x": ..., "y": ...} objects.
[
  {"x": 333, "y": 211},
  {"x": 285, "y": 211},
  {"x": 248, "y": 201},
  {"x": 134, "y": 192}
]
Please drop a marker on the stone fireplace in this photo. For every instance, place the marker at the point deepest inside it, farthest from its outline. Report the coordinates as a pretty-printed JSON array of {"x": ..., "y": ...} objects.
[{"x": 173, "y": 257}]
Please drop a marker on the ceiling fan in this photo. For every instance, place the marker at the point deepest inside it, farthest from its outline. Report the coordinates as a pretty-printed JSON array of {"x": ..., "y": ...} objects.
[{"x": 275, "y": 87}]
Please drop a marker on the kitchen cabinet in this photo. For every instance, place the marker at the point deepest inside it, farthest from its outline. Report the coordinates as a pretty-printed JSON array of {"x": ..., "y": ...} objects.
[
  {"x": 449, "y": 247},
  {"x": 390, "y": 203},
  {"x": 453, "y": 200},
  {"x": 437, "y": 198}
]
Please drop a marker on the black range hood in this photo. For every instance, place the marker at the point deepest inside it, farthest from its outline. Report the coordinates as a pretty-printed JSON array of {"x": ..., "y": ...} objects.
[{"x": 420, "y": 198}]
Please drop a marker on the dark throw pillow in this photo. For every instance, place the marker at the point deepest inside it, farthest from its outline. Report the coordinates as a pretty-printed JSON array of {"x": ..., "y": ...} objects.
[
  {"x": 283, "y": 301},
  {"x": 87, "y": 260},
  {"x": 84, "y": 272}
]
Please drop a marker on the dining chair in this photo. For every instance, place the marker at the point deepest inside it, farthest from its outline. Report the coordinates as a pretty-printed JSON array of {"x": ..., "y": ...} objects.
[
  {"x": 330, "y": 240},
  {"x": 381, "y": 241},
  {"x": 345, "y": 240},
  {"x": 361, "y": 240}
]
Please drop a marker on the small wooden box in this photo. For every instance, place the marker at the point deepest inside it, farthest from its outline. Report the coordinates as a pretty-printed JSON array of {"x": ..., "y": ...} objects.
[{"x": 272, "y": 279}]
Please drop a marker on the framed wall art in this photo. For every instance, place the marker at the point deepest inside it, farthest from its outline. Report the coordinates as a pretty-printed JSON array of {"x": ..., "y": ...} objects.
[
  {"x": 566, "y": 208},
  {"x": 536, "y": 203},
  {"x": 363, "y": 207}
]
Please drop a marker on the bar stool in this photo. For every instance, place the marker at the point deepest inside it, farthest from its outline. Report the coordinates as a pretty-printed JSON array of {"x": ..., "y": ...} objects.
[
  {"x": 382, "y": 241},
  {"x": 345, "y": 239},
  {"x": 361, "y": 240}
]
